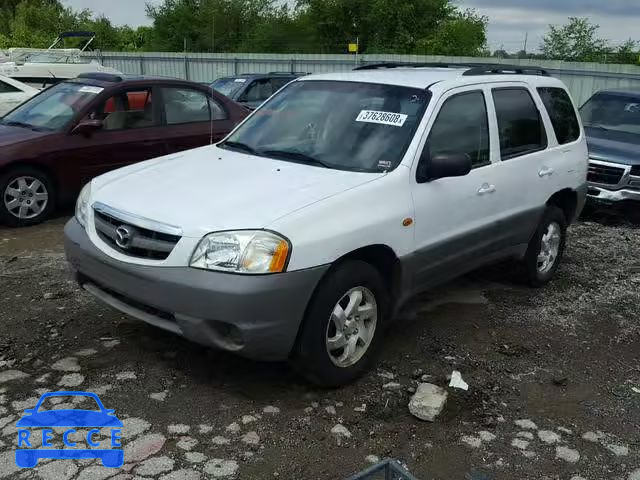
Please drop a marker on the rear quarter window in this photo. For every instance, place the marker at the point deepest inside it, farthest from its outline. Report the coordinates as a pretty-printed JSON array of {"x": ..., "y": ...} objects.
[{"x": 562, "y": 113}]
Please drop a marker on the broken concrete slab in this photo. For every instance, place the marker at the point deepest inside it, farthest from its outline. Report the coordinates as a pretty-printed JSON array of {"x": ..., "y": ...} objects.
[{"x": 428, "y": 402}]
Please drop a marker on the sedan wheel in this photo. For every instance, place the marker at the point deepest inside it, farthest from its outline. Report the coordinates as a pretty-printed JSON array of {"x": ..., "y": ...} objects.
[{"x": 26, "y": 197}]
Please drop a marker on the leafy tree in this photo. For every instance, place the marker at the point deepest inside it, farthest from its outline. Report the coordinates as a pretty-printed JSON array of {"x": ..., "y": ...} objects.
[
  {"x": 463, "y": 34},
  {"x": 628, "y": 52},
  {"x": 577, "y": 41}
]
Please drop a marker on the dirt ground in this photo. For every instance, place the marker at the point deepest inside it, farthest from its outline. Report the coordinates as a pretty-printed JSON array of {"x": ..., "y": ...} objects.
[{"x": 554, "y": 378}]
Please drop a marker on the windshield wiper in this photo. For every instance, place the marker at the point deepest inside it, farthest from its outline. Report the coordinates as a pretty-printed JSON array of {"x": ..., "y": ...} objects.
[
  {"x": 295, "y": 156},
  {"x": 239, "y": 146},
  {"x": 19, "y": 124}
]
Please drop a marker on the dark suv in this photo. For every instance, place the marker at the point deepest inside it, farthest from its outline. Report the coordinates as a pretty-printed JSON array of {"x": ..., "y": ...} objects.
[
  {"x": 63, "y": 137},
  {"x": 612, "y": 123},
  {"x": 252, "y": 89}
]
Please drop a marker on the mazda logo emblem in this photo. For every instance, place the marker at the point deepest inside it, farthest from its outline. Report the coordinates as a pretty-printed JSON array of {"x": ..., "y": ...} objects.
[{"x": 123, "y": 237}]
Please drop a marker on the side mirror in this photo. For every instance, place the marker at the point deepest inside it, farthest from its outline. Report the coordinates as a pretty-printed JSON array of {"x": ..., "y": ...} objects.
[
  {"x": 444, "y": 165},
  {"x": 86, "y": 127}
]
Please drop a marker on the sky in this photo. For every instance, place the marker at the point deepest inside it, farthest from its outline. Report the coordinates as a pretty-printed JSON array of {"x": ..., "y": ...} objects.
[{"x": 509, "y": 20}]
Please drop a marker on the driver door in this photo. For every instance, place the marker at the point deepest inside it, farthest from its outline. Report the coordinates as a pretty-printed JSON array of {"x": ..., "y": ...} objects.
[{"x": 131, "y": 132}]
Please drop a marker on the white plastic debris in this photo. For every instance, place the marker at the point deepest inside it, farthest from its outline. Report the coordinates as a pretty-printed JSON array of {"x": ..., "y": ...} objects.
[{"x": 457, "y": 381}]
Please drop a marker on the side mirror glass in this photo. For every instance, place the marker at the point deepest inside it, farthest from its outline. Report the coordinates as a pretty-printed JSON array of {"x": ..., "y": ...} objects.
[
  {"x": 86, "y": 127},
  {"x": 444, "y": 165}
]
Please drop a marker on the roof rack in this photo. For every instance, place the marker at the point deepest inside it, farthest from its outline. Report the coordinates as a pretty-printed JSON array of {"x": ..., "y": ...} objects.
[
  {"x": 473, "y": 68},
  {"x": 501, "y": 69}
]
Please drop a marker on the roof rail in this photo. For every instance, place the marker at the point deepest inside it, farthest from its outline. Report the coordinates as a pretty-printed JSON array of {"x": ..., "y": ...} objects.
[
  {"x": 473, "y": 68},
  {"x": 381, "y": 65},
  {"x": 502, "y": 69}
]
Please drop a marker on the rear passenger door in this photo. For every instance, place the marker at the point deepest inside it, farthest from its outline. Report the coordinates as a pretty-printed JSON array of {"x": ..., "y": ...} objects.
[
  {"x": 569, "y": 162},
  {"x": 524, "y": 166},
  {"x": 191, "y": 118}
]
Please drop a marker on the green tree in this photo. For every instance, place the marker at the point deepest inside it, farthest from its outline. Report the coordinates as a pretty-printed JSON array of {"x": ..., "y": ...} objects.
[
  {"x": 627, "y": 53},
  {"x": 577, "y": 41},
  {"x": 462, "y": 34}
]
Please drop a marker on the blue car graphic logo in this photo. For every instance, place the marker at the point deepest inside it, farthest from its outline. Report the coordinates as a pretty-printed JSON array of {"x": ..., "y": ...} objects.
[{"x": 70, "y": 419}]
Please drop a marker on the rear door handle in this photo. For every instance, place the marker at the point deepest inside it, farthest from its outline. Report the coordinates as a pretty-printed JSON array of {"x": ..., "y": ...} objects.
[
  {"x": 486, "y": 188},
  {"x": 545, "y": 172}
]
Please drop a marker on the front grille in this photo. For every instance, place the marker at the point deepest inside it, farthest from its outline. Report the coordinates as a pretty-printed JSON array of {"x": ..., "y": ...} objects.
[
  {"x": 604, "y": 174},
  {"x": 635, "y": 170},
  {"x": 141, "y": 243}
]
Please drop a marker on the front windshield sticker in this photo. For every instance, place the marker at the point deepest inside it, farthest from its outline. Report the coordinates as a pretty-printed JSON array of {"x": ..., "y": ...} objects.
[
  {"x": 90, "y": 89},
  {"x": 384, "y": 164},
  {"x": 240, "y": 80},
  {"x": 383, "y": 118}
]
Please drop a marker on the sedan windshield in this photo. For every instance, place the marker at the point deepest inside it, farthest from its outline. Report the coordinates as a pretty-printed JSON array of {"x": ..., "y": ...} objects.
[
  {"x": 342, "y": 125},
  {"x": 229, "y": 86},
  {"x": 614, "y": 112},
  {"x": 54, "y": 108}
]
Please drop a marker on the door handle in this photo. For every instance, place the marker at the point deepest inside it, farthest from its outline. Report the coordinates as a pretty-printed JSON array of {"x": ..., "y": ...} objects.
[
  {"x": 545, "y": 172},
  {"x": 486, "y": 188}
]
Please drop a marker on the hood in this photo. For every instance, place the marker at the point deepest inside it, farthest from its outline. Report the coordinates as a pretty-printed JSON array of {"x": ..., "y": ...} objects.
[
  {"x": 211, "y": 189},
  {"x": 10, "y": 136},
  {"x": 616, "y": 147}
]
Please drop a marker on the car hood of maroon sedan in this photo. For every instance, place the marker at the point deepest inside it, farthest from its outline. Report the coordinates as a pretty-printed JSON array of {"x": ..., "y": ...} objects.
[{"x": 13, "y": 135}]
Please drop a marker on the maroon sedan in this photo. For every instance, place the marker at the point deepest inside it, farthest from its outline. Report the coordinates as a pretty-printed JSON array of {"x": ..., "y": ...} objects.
[{"x": 60, "y": 139}]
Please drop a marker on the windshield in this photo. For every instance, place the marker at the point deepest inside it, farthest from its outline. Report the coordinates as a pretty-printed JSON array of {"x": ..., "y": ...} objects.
[
  {"x": 52, "y": 109},
  {"x": 229, "y": 86},
  {"x": 620, "y": 113},
  {"x": 342, "y": 125}
]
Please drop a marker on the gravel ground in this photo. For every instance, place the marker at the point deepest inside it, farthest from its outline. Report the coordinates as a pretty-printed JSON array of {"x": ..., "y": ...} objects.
[{"x": 554, "y": 378}]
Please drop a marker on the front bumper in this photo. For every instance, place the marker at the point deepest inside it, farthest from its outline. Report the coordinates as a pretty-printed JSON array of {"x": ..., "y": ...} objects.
[
  {"x": 602, "y": 195},
  {"x": 256, "y": 316}
]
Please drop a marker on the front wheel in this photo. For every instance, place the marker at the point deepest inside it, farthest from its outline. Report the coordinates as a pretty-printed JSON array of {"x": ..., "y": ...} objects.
[
  {"x": 27, "y": 197},
  {"x": 343, "y": 325},
  {"x": 546, "y": 248}
]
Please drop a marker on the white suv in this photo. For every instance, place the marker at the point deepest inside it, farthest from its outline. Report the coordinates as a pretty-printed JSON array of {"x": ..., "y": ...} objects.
[{"x": 299, "y": 235}]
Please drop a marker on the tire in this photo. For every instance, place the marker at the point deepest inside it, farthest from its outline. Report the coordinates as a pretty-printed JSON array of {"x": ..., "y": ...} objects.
[
  {"x": 32, "y": 207},
  {"x": 348, "y": 282},
  {"x": 553, "y": 226}
]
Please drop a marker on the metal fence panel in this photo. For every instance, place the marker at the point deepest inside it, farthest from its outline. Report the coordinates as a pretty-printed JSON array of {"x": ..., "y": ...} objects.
[{"x": 582, "y": 79}]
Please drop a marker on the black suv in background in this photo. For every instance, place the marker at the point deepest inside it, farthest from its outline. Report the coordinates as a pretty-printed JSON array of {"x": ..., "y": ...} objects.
[
  {"x": 252, "y": 89},
  {"x": 612, "y": 124}
]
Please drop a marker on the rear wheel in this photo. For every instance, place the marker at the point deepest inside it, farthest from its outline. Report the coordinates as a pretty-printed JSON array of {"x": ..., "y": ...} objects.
[
  {"x": 343, "y": 326},
  {"x": 546, "y": 248},
  {"x": 27, "y": 197}
]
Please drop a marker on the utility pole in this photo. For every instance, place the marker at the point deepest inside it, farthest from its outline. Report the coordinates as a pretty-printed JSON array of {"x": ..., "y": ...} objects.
[{"x": 526, "y": 40}]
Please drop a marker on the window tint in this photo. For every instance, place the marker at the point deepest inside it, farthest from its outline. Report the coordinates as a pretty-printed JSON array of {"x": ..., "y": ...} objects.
[
  {"x": 519, "y": 124},
  {"x": 462, "y": 127},
  {"x": 278, "y": 83},
  {"x": 127, "y": 110},
  {"x": 183, "y": 105},
  {"x": 6, "y": 88},
  {"x": 563, "y": 115}
]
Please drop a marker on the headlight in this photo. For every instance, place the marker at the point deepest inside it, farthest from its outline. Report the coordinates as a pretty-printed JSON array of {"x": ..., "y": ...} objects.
[
  {"x": 242, "y": 251},
  {"x": 82, "y": 205}
]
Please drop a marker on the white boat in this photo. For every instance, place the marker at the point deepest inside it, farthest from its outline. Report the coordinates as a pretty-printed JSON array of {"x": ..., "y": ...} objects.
[
  {"x": 44, "y": 67},
  {"x": 13, "y": 93}
]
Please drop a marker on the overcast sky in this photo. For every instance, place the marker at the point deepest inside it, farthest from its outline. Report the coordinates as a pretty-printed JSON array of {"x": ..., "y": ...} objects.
[{"x": 508, "y": 19}]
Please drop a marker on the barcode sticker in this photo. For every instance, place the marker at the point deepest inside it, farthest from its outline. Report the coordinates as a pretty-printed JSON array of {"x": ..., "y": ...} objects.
[
  {"x": 383, "y": 118},
  {"x": 91, "y": 89}
]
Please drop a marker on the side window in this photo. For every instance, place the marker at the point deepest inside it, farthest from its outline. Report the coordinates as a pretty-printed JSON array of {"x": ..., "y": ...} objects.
[
  {"x": 563, "y": 115},
  {"x": 127, "y": 110},
  {"x": 259, "y": 91},
  {"x": 6, "y": 88},
  {"x": 520, "y": 126},
  {"x": 183, "y": 105},
  {"x": 278, "y": 83},
  {"x": 462, "y": 127},
  {"x": 217, "y": 110}
]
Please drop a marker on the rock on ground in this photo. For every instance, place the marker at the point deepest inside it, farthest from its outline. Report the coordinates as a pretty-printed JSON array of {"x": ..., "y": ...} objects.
[
  {"x": 218, "y": 440},
  {"x": 179, "y": 429},
  {"x": 251, "y": 438},
  {"x": 8, "y": 464},
  {"x": 195, "y": 457},
  {"x": 373, "y": 459},
  {"x": 219, "y": 468},
  {"x": 9, "y": 375},
  {"x": 57, "y": 470},
  {"x": 635, "y": 475},
  {"x": 95, "y": 472},
  {"x": 143, "y": 447},
  {"x": 185, "y": 474},
  {"x": 155, "y": 466},
  {"x": 470, "y": 440},
  {"x": 547, "y": 436},
  {"x": 567, "y": 454},
  {"x": 526, "y": 424},
  {"x": 271, "y": 409},
  {"x": 67, "y": 364},
  {"x": 340, "y": 432},
  {"x": 428, "y": 402}
]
